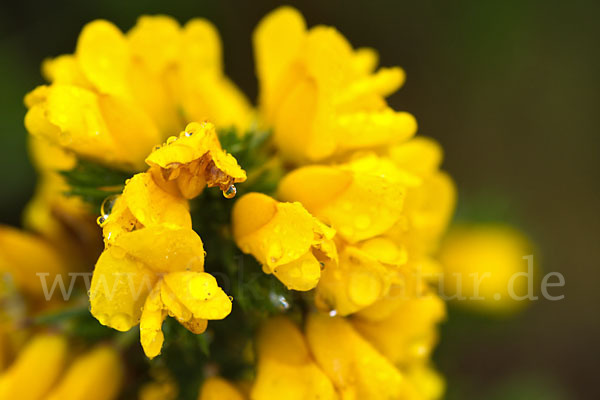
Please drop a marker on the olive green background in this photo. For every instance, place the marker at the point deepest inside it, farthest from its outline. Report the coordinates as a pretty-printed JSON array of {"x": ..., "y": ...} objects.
[{"x": 510, "y": 88}]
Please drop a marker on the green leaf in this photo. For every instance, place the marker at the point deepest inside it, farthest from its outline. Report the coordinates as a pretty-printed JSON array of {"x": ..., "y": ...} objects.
[{"x": 94, "y": 182}]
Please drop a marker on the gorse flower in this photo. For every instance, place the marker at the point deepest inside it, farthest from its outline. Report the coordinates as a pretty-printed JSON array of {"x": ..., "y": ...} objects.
[
  {"x": 339, "y": 206},
  {"x": 41, "y": 371},
  {"x": 321, "y": 97},
  {"x": 120, "y": 94},
  {"x": 482, "y": 263}
]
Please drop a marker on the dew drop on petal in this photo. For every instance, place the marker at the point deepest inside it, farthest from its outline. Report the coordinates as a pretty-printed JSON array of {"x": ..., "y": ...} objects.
[
  {"x": 230, "y": 192},
  {"x": 106, "y": 208}
]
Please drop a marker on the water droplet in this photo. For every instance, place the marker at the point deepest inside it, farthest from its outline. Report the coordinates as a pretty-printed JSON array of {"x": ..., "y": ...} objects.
[
  {"x": 100, "y": 220},
  {"x": 172, "y": 139},
  {"x": 230, "y": 298},
  {"x": 230, "y": 192},
  {"x": 107, "y": 206},
  {"x": 279, "y": 301},
  {"x": 187, "y": 134},
  {"x": 332, "y": 313}
]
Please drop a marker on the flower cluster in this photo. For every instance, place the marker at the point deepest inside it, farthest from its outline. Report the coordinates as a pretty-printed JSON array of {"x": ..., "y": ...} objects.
[{"x": 339, "y": 203}]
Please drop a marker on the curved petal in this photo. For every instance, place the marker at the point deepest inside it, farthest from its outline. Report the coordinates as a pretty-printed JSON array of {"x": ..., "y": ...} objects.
[{"x": 119, "y": 288}]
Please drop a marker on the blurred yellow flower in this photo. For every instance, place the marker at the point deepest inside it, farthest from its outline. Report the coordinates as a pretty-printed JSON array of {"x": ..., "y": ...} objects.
[
  {"x": 216, "y": 388},
  {"x": 322, "y": 97},
  {"x": 39, "y": 372},
  {"x": 36, "y": 369},
  {"x": 485, "y": 267},
  {"x": 24, "y": 255},
  {"x": 96, "y": 375}
]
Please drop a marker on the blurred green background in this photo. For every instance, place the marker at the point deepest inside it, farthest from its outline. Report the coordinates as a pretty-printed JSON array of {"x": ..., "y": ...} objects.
[{"x": 510, "y": 88}]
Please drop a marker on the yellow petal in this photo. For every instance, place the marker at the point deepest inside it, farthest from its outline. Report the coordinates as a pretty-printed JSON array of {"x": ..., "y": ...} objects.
[
  {"x": 355, "y": 283},
  {"x": 70, "y": 116},
  {"x": 104, "y": 57},
  {"x": 23, "y": 256},
  {"x": 409, "y": 333},
  {"x": 285, "y": 368},
  {"x": 277, "y": 41},
  {"x": 370, "y": 129},
  {"x": 119, "y": 288},
  {"x": 356, "y": 369},
  {"x": 196, "y": 158},
  {"x": 64, "y": 70},
  {"x": 149, "y": 205},
  {"x": 36, "y": 369},
  {"x": 97, "y": 375},
  {"x": 201, "y": 46},
  {"x": 282, "y": 237},
  {"x": 421, "y": 155},
  {"x": 155, "y": 41},
  {"x": 153, "y": 315},
  {"x": 358, "y": 201},
  {"x": 163, "y": 249},
  {"x": 199, "y": 293},
  {"x": 205, "y": 93},
  {"x": 215, "y": 388},
  {"x": 428, "y": 383},
  {"x": 134, "y": 132}
]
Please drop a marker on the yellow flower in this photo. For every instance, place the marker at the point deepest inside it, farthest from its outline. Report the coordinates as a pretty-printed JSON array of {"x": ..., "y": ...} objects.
[
  {"x": 356, "y": 369},
  {"x": 24, "y": 255},
  {"x": 36, "y": 369},
  {"x": 321, "y": 97},
  {"x": 142, "y": 204},
  {"x": 288, "y": 241},
  {"x": 479, "y": 262},
  {"x": 194, "y": 160},
  {"x": 163, "y": 390},
  {"x": 216, "y": 388},
  {"x": 118, "y": 95},
  {"x": 402, "y": 326},
  {"x": 285, "y": 368},
  {"x": 96, "y": 375},
  {"x": 149, "y": 273},
  {"x": 362, "y": 200},
  {"x": 39, "y": 372}
]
